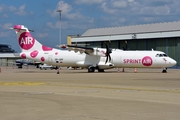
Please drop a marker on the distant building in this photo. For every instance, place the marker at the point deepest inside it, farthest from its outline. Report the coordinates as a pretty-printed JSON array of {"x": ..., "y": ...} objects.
[
  {"x": 4, "y": 48},
  {"x": 158, "y": 36},
  {"x": 7, "y": 55}
]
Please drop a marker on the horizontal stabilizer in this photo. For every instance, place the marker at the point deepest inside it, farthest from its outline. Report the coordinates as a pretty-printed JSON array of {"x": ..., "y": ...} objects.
[{"x": 20, "y": 27}]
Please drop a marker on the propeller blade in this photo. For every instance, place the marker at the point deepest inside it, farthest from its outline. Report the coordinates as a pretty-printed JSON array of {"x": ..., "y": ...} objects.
[
  {"x": 108, "y": 51},
  {"x": 109, "y": 57},
  {"x": 106, "y": 60}
]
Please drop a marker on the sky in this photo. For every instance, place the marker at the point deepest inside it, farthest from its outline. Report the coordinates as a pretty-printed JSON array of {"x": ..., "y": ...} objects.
[{"x": 78, "y": 16}]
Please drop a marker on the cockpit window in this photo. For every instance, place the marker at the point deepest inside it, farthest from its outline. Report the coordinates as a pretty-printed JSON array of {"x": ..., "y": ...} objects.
[
  {"x": 165, "y": 55},
  {"x": 161, "y": 55}
]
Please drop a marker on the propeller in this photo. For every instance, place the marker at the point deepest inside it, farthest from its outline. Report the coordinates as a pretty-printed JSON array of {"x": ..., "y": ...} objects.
[{"x": 108, "y": 52}]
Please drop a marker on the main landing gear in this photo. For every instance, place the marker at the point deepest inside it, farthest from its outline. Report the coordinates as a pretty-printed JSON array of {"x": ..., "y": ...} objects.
[{"x": 92, "y": 69}]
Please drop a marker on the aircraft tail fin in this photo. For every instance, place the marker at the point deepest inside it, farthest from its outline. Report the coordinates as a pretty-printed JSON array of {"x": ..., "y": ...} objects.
[{"x": 27, "y": 42}]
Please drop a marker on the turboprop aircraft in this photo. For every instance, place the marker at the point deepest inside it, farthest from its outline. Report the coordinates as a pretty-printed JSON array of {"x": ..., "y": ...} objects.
[{"x": 86, "y": 57}]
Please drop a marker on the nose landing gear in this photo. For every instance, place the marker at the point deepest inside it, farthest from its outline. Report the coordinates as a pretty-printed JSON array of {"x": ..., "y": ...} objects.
[
  {"x": 58, "y": 71},
  {"x": 164, "y": 70}
]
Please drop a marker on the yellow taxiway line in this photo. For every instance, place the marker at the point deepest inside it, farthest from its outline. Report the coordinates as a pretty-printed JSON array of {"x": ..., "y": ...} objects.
[
  {"x": 85, "y": 86},
  {"x": 21, "y": 83}
]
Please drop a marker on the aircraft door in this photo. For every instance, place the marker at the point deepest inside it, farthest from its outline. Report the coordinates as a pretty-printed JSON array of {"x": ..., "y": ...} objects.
[{"x": 117, "y": 61}]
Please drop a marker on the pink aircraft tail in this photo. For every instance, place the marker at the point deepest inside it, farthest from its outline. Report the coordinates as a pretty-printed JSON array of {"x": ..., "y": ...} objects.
[{"x": 27, "y": 42}]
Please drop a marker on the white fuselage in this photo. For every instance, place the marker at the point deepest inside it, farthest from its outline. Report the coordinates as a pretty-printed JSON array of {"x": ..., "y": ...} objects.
[
  {"x": 119, "y": 59},
  {"x": 91, "y": 58}
]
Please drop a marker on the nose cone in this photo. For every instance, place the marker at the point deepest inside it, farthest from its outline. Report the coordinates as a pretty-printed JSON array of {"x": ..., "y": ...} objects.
[{"x": 172, "y": 62}]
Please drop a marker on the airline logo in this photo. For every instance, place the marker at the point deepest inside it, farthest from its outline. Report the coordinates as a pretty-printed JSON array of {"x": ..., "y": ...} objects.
[
  {"x": 26, "y": 41},
  {"x": 146, "y": 61}
]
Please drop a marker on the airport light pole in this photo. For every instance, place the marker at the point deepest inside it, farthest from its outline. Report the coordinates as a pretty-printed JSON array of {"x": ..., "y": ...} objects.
[{"x": 59, "y": 26}]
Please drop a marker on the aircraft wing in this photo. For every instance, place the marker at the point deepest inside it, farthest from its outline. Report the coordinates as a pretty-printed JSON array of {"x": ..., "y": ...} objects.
[
  {"x": 101, "y": 52},
  {"x": 81, "y": 49}
]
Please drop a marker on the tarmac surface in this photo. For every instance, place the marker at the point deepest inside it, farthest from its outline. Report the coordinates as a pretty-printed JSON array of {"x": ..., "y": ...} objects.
[{"x": 33, "y": 94}]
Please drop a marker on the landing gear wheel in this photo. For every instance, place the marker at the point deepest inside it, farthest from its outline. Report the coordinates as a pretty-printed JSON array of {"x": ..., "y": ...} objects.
[
  {"x": 91, "y": 69},
  {"x": 58, "y": 70},
  {"x": 164, "y": 70},
  {"x": 37, "y": 66},
  {"x": 20, "y": 66}
]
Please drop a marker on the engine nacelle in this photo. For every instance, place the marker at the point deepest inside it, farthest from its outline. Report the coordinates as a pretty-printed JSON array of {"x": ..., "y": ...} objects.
[{"x": 99, "y": 52}]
